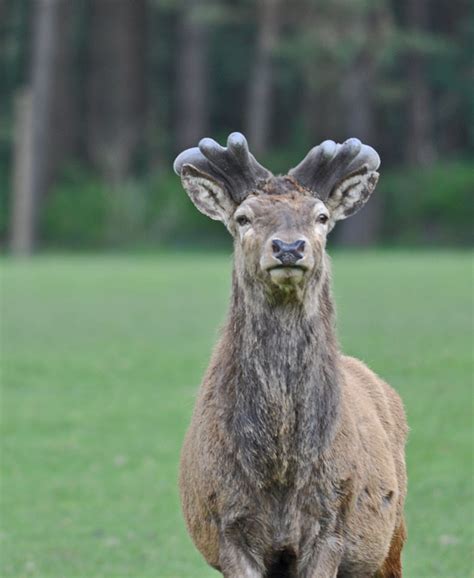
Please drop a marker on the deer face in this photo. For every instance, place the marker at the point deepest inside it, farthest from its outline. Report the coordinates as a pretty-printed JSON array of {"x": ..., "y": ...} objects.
[
  {"x": 280, "y": 237},
  {"x": 279, "y": 224}
]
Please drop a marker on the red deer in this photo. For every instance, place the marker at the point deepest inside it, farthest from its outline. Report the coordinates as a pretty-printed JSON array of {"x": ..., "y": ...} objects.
[{"x": 293, "y": 465}]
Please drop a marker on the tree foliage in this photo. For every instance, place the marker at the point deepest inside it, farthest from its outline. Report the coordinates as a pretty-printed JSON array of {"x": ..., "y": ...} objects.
[{"x": 138, "y": 81}]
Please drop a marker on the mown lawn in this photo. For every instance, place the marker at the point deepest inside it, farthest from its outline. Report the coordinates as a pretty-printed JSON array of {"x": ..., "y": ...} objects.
[{"x": 101, "y": 358}]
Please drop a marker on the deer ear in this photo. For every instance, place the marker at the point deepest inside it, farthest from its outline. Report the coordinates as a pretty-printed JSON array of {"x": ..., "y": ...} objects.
[
  {"x": 207, "y": 194},
  {"x": 349, "y": 195}
]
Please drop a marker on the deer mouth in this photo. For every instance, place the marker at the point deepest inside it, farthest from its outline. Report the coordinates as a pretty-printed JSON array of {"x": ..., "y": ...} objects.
[
  {"x": 287, "y": 274},
  {"x": 282, "y": 266}
]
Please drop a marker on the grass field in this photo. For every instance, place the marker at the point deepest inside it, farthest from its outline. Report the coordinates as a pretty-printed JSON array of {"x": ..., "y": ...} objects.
[{"x": 101, "y": 360}]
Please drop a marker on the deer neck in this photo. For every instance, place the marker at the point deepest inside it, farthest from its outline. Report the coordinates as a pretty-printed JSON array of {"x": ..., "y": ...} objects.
[{"x": 285, "y": 389}]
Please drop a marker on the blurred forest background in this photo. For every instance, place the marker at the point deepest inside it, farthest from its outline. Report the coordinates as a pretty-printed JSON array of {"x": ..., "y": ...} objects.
[
  {"x": 98, "y": 96},
  {"x": 101, "y": 353}
]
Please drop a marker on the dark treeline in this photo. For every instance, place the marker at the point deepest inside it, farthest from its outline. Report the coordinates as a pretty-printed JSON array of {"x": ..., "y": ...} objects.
[{"x": 97, "y": 97}]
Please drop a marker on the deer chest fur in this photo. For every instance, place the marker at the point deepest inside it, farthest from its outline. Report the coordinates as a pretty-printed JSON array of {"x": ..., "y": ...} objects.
[{"x": 281, "y": 396}]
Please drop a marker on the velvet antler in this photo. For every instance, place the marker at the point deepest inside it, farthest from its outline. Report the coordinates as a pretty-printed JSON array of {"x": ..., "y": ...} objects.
[
  {"x": 328, "y": 165},
  {"x": 233, "y": 166}
]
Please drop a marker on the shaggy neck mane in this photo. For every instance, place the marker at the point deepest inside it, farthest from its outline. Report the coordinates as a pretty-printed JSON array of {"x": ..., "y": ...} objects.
[{"x": 281, "y": 397}]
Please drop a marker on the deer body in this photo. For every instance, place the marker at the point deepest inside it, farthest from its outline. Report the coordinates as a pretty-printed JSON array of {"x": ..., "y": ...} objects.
[{"x": 293, "y": 465}]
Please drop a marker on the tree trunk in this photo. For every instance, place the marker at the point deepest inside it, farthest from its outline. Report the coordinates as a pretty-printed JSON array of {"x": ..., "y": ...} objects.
[
  {"x": 116, "y": 86},
  {"x": 23, "y": 209},
  {"x": 192, "y": 80},
  {"x": 362, "y": 229},
  {"x": 259, "y": 108},
  {"x": 420, "y": 146},
  {"x": 359, "y": 106},
  {"x": 33, "y": 164},
  {"x": 64, "y": 121}
]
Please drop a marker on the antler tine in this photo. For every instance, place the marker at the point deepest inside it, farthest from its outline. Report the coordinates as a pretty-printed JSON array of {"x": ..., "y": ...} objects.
[
  {"x": 234, "y": 165},
  {"x": 328, "y": 163},
  {"x": 194, "y": 157}
]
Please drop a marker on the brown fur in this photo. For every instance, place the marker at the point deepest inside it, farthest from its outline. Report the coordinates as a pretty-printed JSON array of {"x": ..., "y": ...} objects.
[
  {"x": 293, "y": 465},
  {"x": 392, "y": 567}
]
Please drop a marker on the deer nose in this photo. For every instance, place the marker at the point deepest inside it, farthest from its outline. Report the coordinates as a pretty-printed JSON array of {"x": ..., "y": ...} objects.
[{"x": 288, "y": 253}]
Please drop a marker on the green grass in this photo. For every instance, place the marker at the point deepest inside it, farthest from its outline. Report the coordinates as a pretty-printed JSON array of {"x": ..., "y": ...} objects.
[{"x": 101, "y": 360}]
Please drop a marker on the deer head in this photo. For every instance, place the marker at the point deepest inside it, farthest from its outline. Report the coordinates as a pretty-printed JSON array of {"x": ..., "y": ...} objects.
[{"x": 279, "y": 224}]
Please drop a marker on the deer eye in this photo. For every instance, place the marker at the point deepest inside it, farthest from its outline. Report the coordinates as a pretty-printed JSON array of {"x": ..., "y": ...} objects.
[
  {"x": 242, "y": 220},
  {"x": 322, "y": 218}
]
